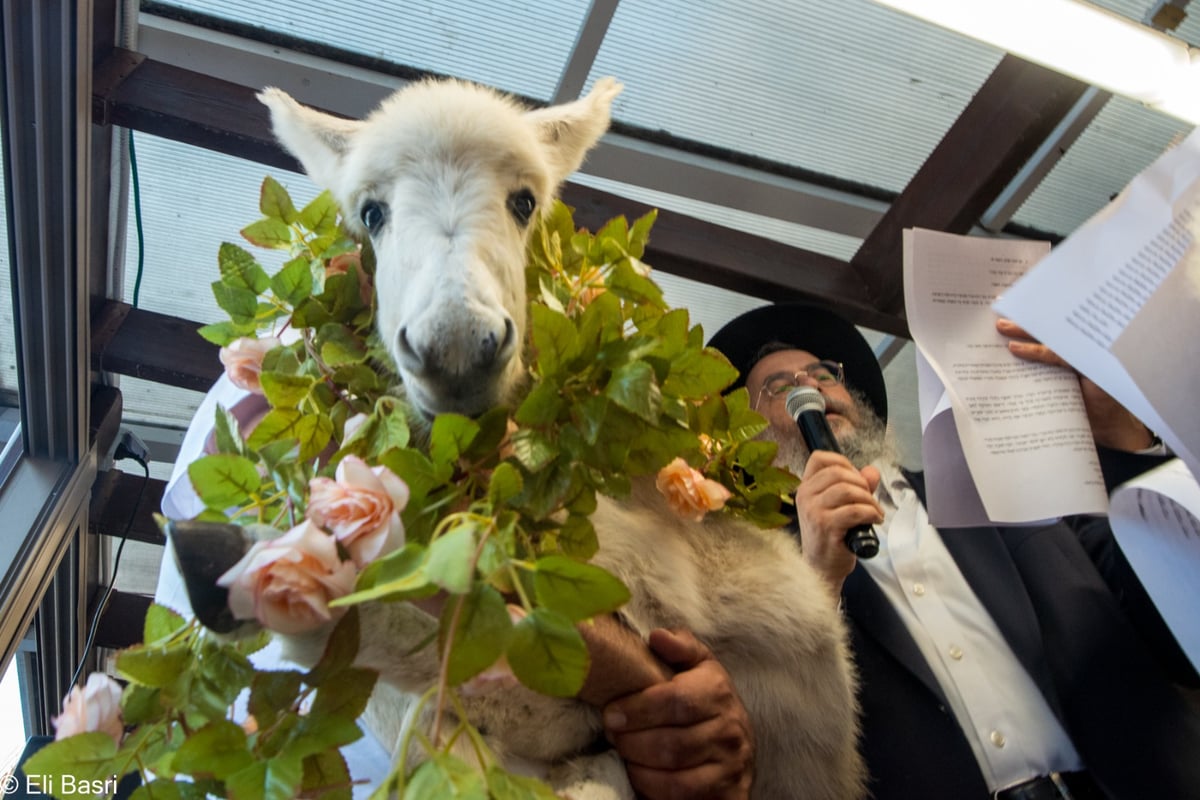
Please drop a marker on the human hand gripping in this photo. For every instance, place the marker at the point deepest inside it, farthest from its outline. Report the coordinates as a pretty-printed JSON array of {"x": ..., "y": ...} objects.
[
  {"x": 688, "y": 737},
  {"x": 1113, "y": 425},
  {"x": 833, "y": 497}
]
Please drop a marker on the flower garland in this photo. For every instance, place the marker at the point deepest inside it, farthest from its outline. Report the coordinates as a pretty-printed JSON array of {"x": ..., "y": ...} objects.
[{"x": 350, "y": 507}]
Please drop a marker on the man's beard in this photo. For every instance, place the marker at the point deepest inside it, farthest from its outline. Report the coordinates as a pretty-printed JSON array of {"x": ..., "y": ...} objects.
[{"x": 866, "y": 443}]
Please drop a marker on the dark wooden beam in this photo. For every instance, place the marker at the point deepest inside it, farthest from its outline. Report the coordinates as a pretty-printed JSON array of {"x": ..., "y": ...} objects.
[
  {"x": 217, "y": 115},
  {"x": 123, "y": 504},
  {"x": 135, "y": 92},
  {"x": 1011, "y": 114},
  {"x": 718, "y": 256},
  {"x": 156, "y": 347},
  {"x": 107, "y": 407},
  {"x": 123, "y": 620}
]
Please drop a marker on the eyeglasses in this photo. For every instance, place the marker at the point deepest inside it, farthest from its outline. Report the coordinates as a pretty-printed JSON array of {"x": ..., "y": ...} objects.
[{"x": 823, "y": 373}]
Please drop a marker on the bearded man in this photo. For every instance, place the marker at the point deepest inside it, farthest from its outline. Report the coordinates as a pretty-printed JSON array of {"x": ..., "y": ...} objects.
[{"x": 994, "y": 661}]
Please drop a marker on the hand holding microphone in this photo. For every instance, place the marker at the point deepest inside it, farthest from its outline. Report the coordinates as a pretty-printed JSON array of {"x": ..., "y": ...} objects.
[{"x": 806, "y": 405}]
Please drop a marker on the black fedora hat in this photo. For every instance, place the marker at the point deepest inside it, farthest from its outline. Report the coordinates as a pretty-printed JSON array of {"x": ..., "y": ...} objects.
[{"x": 805, "y": 327}]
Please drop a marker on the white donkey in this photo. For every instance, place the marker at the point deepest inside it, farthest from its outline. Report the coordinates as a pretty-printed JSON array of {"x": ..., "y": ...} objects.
[{"x": 445, "y": 179}]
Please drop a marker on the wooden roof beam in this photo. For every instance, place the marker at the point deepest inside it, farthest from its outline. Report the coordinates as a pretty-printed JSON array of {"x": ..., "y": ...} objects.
[{"x": 1000, "y": 129}]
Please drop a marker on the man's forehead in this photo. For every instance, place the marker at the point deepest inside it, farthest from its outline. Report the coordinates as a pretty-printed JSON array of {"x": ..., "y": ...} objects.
[{"x": 784, "y": 362}]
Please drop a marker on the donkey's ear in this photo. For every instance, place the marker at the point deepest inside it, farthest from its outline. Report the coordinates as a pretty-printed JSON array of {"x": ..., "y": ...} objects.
[
  {"x": 571, "y": 129},
  {"x": 317, "y": 140}
]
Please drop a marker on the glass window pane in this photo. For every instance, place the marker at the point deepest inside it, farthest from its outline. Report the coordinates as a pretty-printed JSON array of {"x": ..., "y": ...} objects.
[
  {"x": 9, "y": 388},
  {"x": 847, "y": 89},
  {"x": 517, "y": 47}
]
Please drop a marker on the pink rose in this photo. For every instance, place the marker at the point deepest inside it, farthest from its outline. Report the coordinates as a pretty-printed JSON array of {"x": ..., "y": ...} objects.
[
  {"x": 243, "y": 360},
  {"x": 287, "y": 583},
  {"x": 361, "y": 508},
  {"x": 93, "y": 707},
  {"x": 688, "y": 492}
]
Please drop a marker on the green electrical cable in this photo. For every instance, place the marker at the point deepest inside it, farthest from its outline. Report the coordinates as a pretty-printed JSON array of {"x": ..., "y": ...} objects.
[{"x": 137, "y": 216}]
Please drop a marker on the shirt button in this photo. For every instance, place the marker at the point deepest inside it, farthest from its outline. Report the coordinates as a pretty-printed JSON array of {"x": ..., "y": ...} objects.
[
  {"x": 918, "y": 589},
  {"x": 956, "y": 652},
  {"x": 997, "y": 738}
]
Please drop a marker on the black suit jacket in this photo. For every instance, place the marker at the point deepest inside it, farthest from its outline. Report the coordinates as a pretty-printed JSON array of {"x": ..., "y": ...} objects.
[{"x": 1133, "y": 729}]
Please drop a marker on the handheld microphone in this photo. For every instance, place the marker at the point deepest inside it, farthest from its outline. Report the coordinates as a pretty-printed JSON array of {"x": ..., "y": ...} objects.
[{"x": 806, "y": 405}]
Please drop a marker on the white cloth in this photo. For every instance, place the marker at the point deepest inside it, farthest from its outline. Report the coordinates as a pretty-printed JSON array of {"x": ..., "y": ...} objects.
[
  {"x": 1010, "y": 727},
  {"x": 367, "y": 759}
]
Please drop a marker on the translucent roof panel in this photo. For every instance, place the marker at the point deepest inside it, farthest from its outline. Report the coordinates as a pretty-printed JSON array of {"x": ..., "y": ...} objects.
[
  {"x": 192, "y": 200},
  {"x": 517, "y": 47},
  {"x": 1123, "y": 139},
  {"x": 847, "y": 89}
]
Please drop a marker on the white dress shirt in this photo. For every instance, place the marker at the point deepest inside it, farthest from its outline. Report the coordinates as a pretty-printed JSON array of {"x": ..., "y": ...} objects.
[{"x": 1012, "y": 731}]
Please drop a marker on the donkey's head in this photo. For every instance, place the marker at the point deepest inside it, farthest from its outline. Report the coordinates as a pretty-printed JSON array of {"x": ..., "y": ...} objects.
[{"x": 445, "y": 178}]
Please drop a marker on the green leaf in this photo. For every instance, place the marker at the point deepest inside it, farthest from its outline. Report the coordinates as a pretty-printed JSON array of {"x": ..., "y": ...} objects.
[
  {"x": 320, "y": 215},
  {"x": 482, "y": 629},
  {"x": 158, "y": 789},
  {"x": 577, "y": 537},
  {"x": 339, "y": 346},
  {"x": 273, "y": 779},
  {"x": 293, "y": 282},
  {"x": 240, "y": 304},
  {"x": 548, "y": 655},
  {"x": 397, "y": 576},
  {"x": 577, "y": 590},
  {"x": 554, "y": 338},
  {"x": 312, "y": 431},
  {"x": 224, "y": 333},
  {"x": 239, "y": 270},
  {"x": 274, "y": 202},
  {"x": 84, "y": 757},
  {"x": 228, "y": 434},
  {"x": 219, "y": 749},
  {"x": 450, "y": 436},
  {"x": 224, "y": 480},
  {"x": 345, "y": 697},
  {"x": 633, "y": 388},
  {"x": 421, "y": 474},
  {"x": 444, "y": 777},
  {"x": 339, "y": 650},
  {"x": 506, "y": 483},
  {"x": 626, "y": 282},
  {"x": 541, "y": 406},
  {"x": 504, "y": 785},
  {"x": 153, "y": 665},
  {"x": 141, "y": 703},
  {"x": 286, "y": 391},
  {"x": 451, "y": 558},
  {"x": 270, "y": 233},
  {"x": 326, "y": 777},
  {"x": 533, "y": 450},
  {"x": 161, "y": 623},
  {"x": 696, "y": 373},
  {"x": 639, "y": 234},
  {"x": 271, "y": 692}
]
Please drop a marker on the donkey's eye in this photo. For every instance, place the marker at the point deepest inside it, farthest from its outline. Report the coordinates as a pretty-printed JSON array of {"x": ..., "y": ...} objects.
[
  {"x": 373, "y": 215},
  {"x": 521, "y": 204}
]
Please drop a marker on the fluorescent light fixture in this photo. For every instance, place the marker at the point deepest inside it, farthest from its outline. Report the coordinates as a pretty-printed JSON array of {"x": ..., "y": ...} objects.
[{"x": 1080, "y": 40}]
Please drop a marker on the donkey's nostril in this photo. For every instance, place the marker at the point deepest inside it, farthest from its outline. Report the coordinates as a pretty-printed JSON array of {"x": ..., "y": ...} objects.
[
  {"x": 497, "y": 348},
  {"x": 408, "y": 357},
  {"x": 509, "y": 345}
]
